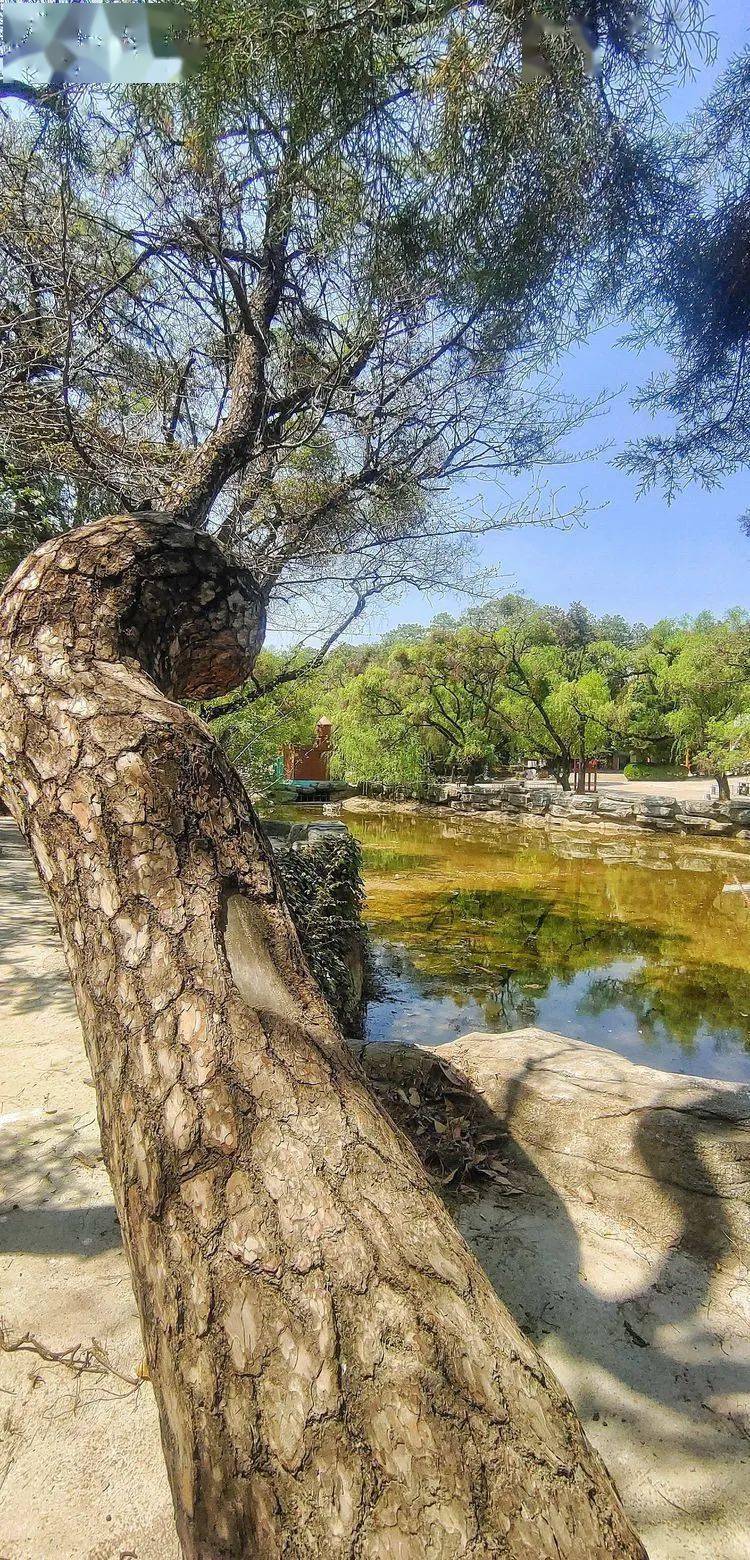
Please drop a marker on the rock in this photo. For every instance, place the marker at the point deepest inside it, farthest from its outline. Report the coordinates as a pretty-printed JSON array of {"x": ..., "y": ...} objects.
[
  {"x": 737, "y": 810},
  {"x": 662, "y": 1152},
  {"x": 655, "y": 807},
  {"x": 509, "y": 800},
  {"x": 665, "y": 1154},
  {"x": 616, "y": 807}
]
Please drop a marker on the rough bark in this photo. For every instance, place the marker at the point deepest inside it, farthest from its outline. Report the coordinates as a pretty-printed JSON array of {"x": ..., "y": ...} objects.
[
  {"x": 723, "y": 784},
  {"x": 334, "y": 1373}
]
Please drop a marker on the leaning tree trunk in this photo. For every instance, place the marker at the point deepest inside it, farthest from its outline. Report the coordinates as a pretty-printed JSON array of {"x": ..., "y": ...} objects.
[{"x": 334, "y": 1373}]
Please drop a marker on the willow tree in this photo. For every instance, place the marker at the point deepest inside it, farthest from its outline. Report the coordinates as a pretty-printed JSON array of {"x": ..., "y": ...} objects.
[
  {"x": 261, "y": 324},
  {"x": 692, "y": 689}
]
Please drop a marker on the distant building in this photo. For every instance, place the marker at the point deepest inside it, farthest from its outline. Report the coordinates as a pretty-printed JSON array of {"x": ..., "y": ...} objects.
[
  {"x": 310, "y": 763},
  {"x": 613, "y": 759}
]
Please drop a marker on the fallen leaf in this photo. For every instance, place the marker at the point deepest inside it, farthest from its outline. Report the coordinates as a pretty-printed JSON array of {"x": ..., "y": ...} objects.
[{"x": 89, "y": 1161}]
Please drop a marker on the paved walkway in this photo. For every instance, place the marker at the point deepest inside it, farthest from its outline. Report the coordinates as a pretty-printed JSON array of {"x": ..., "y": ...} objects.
[{"x": 699, "y": 790}]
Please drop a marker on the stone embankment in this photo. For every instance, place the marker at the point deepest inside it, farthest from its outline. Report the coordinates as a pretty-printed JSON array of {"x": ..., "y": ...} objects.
[{"x": 660, "y": 814}]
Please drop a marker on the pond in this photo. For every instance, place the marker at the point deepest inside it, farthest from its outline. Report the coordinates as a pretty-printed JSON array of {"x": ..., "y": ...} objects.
[{"x": 623, "y": 941}]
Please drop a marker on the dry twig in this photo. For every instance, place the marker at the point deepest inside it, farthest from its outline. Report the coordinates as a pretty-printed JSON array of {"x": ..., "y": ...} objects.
[{"x": 81, "y": 1359}]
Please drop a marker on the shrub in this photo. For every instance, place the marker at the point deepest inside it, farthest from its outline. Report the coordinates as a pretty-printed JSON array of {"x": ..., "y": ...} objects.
[
  {"x": 324, "y": 891},
  {"x": 655, "y": 772}
]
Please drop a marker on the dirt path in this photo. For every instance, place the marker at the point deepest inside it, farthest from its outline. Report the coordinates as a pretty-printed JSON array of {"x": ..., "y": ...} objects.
[{"x": 81, "y": 1470}]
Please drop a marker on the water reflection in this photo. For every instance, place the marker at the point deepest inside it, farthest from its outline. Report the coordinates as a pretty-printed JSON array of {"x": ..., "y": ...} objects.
[{"x": 623, "y": 942}]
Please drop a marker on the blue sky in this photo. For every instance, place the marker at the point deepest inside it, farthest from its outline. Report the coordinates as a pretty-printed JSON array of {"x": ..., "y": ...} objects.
[{"x": 636, "y": 556}]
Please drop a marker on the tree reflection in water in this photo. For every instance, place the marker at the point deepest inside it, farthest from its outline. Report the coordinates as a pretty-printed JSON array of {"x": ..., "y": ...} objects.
[{"x": 626, "y": 942}]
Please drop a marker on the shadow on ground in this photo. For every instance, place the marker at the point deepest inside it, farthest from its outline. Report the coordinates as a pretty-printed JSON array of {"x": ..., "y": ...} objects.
[{"x": 651, "y": 1340}]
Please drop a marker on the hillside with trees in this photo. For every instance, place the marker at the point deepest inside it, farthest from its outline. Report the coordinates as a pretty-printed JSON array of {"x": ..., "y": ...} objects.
[{"x": 507, "y": 682}]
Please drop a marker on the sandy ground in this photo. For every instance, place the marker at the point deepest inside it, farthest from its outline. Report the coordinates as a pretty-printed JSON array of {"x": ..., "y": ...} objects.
[
  {"x": 80, "y": 1458},
  {"x": 653, "y": 1347},
  {"x": 698, "y": 790}
]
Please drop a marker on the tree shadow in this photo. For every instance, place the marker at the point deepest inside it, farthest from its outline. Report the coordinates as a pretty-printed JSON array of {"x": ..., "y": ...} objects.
[
  {"x": 637, "y": 1331},
  {"x": 33, "y": 977},
  {"x": 84, "y": 1231},
  {"x": 56, "y": 1197},
  {"x": 705, "y": 1239}
]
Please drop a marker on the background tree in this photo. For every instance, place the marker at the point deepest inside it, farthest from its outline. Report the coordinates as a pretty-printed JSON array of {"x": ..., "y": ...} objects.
[
  {"x": 254, "y": 732},
  {"x": 513, "y": 679},
  {"x": 691, "y": 295},
  {"x": 429, "y": 706},
  {"x": 375, "y": 741},
  {"x": 539, "y": 683},
  {"x": 707, "y": 680},
  {"x": 557, "y": 686},
  {"x": 645, "y": 701},
  {"x": 30, "y": 513}
]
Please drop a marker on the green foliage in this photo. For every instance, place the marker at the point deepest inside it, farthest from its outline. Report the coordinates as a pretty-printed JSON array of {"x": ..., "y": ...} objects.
[
  {"x": 708, "y": 679},
  {"x": 691, "y": 294},
  {"x": 509, "y": 681},
  {"x": 420, "y": 710},
  {"x": 29, "y": 515},
  {"x": 654, "y": 772},
  {"x": 689, "y": 696},
  {"x": 407, "y": 228},
  {"x": 254, "y": 731}
]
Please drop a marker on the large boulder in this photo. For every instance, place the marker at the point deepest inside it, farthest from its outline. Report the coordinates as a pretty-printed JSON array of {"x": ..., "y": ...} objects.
[
  {"x": 655, "y": 807},
  {"x": 663, "y": 1153},
  {"x": 616, "y": 807}
]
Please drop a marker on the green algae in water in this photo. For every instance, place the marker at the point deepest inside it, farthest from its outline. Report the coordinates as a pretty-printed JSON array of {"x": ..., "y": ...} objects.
[{"x": 621, "y": 940}]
